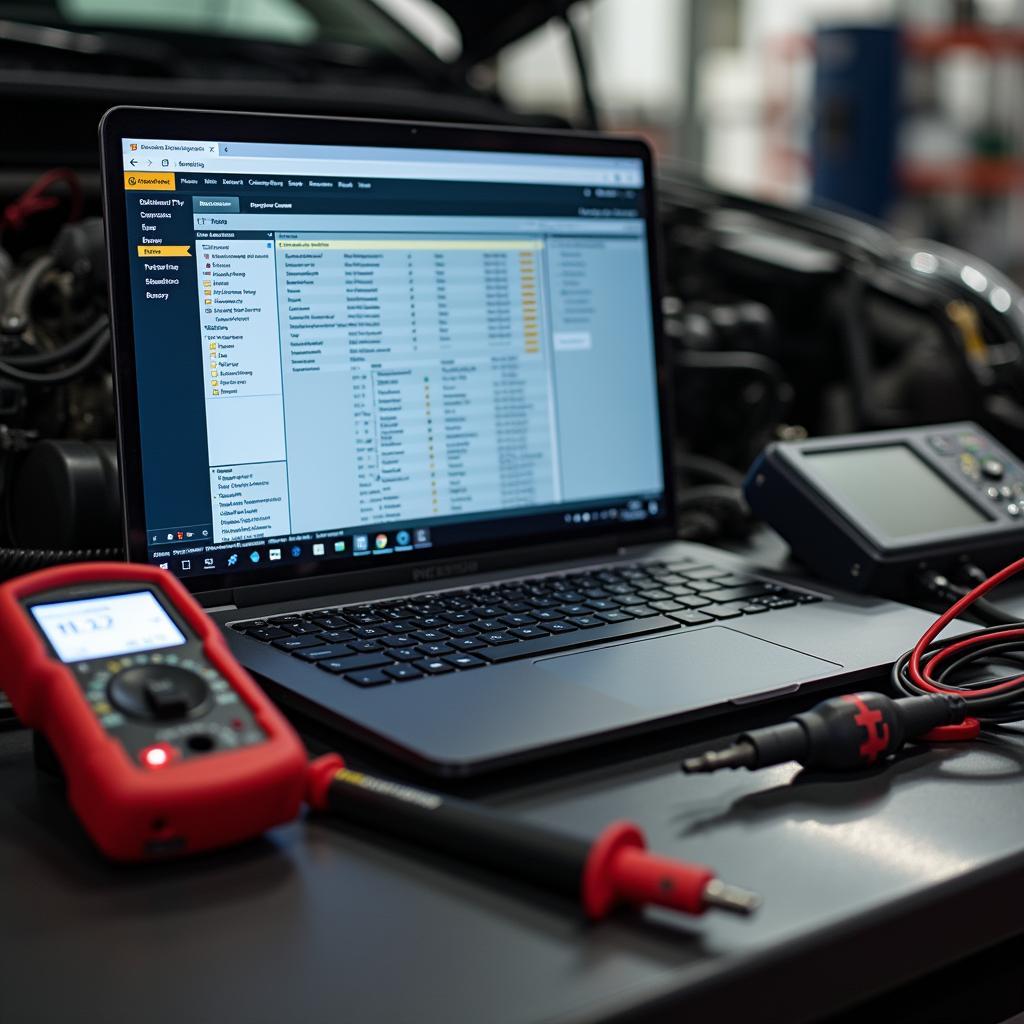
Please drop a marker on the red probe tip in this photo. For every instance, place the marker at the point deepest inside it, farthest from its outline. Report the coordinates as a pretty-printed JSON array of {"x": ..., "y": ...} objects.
[
  {"x": 620, "y": 870},
  {"x": 318, "y": 779}
]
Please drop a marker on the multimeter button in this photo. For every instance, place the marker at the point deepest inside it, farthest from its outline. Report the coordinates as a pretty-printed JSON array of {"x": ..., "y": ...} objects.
[
  {"x": 1013, "y": 509},
  {"x": 993, "y": 493},
  {"x": 992, "y": 468},
  {"x": 157, "y": 691},
  {"x": 166, "y": 699},
  {"x": 1005, "y": 493}
]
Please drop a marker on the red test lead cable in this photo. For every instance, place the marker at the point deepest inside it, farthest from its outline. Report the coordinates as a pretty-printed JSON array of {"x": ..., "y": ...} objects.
[
  {"x": 950, "y": 689},
  {"x": 917, "y": 672},
  {"x": 614, "y": 870}
]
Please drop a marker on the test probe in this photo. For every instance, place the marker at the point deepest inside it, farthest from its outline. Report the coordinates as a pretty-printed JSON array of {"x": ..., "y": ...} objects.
[
  {"x": 168, "y": 748},
  {"x": 943, "y": 700},
  {"x": 615, "y": 869}
]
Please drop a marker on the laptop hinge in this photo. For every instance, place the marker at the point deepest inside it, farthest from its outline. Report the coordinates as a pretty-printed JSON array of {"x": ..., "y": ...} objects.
[
  {"x": 430, "y": 572},
  {"x": 221, "y": 600}
]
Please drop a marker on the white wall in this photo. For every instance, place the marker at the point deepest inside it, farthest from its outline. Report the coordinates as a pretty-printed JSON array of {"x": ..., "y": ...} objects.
[{"x": 635, "y": 48}]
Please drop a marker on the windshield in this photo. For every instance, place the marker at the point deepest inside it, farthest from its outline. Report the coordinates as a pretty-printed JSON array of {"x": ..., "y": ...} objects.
[{"x": 299, "y": 22}]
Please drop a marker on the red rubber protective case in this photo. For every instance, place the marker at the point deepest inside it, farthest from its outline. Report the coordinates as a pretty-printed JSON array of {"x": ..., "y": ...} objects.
[{"x": 131, "y": 812}]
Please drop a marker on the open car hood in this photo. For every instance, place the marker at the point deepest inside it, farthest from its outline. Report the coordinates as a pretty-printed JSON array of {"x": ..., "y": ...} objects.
[{"x": 488, "y": 25}]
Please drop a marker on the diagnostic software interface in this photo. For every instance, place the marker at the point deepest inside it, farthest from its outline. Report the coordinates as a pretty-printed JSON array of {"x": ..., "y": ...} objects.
[{"x": 356, "y": 351}]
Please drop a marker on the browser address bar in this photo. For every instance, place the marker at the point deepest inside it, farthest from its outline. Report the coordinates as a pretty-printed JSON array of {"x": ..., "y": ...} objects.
[
  {"x": 422, "y": 170},
  {"x": 438, "y": 170}
]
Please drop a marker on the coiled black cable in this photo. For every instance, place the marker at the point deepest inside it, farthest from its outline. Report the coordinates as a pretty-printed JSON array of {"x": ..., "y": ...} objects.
[
  {"x": 65, "y": 351},
  {"x": 952, "y": 676},
  {"x": 982, "y": 610},
  {"x": 15, "y": 561},
  {"x": 99, "y": 347},
  {"x": 985, "y": 667}
]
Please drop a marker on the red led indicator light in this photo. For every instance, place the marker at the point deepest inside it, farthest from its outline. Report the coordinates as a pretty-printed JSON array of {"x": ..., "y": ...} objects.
[{"x": 156, "y": 756}]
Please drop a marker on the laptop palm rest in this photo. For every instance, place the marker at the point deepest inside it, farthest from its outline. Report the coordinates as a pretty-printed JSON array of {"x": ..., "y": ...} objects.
[{"x": 689, "y": 670}]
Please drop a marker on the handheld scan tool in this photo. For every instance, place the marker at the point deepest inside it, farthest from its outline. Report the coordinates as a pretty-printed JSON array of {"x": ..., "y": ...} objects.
[{"x": 872, "y": 511}]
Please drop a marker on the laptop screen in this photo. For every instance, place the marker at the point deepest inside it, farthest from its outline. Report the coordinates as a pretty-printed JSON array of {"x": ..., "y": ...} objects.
[{"x": 353, "y": 352}]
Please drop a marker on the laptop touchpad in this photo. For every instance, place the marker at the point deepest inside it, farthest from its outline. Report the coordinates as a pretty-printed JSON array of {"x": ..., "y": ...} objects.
[{"x": 694, "y": 669}]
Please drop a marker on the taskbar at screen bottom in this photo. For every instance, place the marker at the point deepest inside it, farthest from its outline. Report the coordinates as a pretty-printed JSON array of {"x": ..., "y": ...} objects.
[{"x": 191, "y": 560}]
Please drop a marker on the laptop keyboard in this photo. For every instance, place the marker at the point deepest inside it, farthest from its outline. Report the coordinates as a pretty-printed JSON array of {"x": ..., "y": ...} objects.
[{"x": 400, "y": 640}]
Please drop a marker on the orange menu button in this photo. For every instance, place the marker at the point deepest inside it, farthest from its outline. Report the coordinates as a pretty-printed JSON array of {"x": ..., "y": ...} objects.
[
  {"x": 162, "y": 182},
  {"x": 164, "y": 250}
]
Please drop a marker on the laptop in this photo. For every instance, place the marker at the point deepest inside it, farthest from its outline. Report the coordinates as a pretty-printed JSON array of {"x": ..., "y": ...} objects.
[{"x": 393, "y": 403}]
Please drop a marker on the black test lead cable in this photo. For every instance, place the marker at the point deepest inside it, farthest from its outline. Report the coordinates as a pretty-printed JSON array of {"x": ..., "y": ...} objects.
[
  {"x": 854, "y": 731},
  {"x": 615, "y": 869}
]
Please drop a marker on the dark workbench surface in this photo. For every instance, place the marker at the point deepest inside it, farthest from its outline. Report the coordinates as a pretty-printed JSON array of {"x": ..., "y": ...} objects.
[{"x": 868, "y": 882}]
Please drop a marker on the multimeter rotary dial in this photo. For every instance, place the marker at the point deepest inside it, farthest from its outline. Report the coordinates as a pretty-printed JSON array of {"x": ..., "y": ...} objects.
[{"x": 159, "y": 692}]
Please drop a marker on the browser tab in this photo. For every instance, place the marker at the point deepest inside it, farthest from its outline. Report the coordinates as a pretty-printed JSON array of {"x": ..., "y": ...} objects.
[{"x": 215, "y": 204}]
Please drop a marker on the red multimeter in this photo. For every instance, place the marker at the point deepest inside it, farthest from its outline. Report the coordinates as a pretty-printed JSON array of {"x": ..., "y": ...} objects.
[
  {"x": 166, "y": 744},
  {"x": 169, "y": 747}
]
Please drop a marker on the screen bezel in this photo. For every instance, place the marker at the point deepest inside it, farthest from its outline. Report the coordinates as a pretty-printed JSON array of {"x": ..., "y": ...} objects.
[{"x": 124, "y": 122}]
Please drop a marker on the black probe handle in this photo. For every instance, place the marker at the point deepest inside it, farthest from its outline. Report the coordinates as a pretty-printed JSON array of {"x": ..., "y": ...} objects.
[
  {"x": 615, "y": 868},
  {"x": 847, "y": 733},
  {"x": 462, "y": 829}
]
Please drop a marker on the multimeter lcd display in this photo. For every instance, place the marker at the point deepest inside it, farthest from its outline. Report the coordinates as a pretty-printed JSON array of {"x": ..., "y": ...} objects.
[
  {"x": 100, "y": 627},
  {"x": 894, "y": 490}
]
